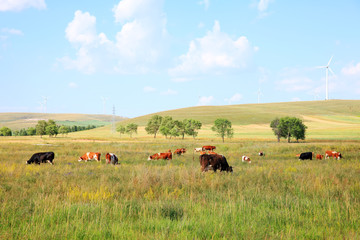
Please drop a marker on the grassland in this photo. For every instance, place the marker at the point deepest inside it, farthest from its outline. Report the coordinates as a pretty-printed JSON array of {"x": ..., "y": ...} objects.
[{"x": 274, "y": 197}]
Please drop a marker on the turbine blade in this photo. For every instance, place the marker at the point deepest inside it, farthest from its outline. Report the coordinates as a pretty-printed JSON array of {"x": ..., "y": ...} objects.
[
  {"x": 329, "y": 61},
  {"x": 320, "y": 67},
  {"x": 332, "y": 71}
]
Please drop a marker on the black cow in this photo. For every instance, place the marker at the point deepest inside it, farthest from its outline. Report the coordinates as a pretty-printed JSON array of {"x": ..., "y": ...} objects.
[
  {"x": 214, "y": 162},
  {"x": 306, "y": 155},
  {"x": 41, "y": 157}
]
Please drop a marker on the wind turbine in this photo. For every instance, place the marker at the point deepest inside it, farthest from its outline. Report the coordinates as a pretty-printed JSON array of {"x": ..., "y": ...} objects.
[
  {"x": 327, "y": 67},
  {"x": 104, "y": 99},
  {"x": 259, "y": 94}
]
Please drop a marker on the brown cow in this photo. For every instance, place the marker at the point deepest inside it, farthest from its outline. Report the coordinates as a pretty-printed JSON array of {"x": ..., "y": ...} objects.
[
  {"x": 180, "y": 151},
  {"x": 333, "y": 154},
  {"x": 214, "y": 162},
  {"x": 209, "y": 148},
  {"x": 90, "y": 156},
  {"x": 319, "y": 156},
  {"x": 157, "y": 156}
]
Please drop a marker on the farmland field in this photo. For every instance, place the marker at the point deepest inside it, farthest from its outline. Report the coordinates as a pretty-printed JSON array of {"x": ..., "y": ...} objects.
[{"x": 276, "y": 196}]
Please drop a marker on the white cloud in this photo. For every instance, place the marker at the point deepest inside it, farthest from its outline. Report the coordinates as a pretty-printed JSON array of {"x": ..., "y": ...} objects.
[
  {"x": 138, "y": 46},
  {"x": 263, "y": 5},
  {"x": 205, "y": 101},
  {"x": 18, "y": 5},
  {"x": 206, "y": 3},
  {"x": 169, "y": 92},
  {"x": 351, "y": 70},
  {"x": 12, "y": 31},
  {"x": 215, "y": 53},
  {"x": 296, "y": 99},
  {"x": 149, "y": 89},
  {"x": 73, "y": 85},
  {"x": 234, "y": 99}
]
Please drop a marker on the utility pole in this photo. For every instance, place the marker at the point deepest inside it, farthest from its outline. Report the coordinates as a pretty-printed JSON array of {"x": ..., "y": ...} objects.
[{"x": 113, "y": 121}]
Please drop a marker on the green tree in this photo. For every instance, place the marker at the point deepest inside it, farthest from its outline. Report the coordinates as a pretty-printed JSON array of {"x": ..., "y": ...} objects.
[
  {"x": 5, "y": 131},
  {"x": 131, "y": 128},
  {"x": 192, "y": 126},
  {"x": 167, "y": 124},
  {"x": 64, "y": 130},
  {"x": 31, "y": 131},
  {"x": 174, "y": 132},
  {"x": 153, "y": 125},
  {"x": 292, "y": 127},
  {"x": 223, "y": 128},
  {"x": 275, "y": 127},
  {"x": 121, "y": 129},
  {"x": 41, "y": 127},
  {"x": 51, "y": 129}
]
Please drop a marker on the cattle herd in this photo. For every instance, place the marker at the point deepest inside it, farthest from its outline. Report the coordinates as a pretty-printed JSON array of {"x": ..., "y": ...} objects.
[{"x": 209, "y": 160}]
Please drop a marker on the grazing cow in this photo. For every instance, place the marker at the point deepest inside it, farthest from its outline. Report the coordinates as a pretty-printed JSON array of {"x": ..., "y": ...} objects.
[
  {"x": 333, "y": 154},
  {"x": 41, "y": 157},
  {"x": 306, "y": 155},
  {"x": 214, "y": 162},
  {"x": 111, "y": 158},
  {"x": 208, "y": 148},
  {"x": 197, "y": 149},
  {"x": 245, "y": 159},
  {"x": 180, "y": 151},
  {"x": 157, "y": 156},
  {"x": 261, "y": 154},
  {"x": 90, "y": 156},
  {"x": 319, "y": 156}
]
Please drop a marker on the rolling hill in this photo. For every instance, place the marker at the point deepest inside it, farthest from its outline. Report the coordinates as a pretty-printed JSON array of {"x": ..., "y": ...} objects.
[
  {"x": 17, "y": 121},
  {"x": 334, "y": 119}
]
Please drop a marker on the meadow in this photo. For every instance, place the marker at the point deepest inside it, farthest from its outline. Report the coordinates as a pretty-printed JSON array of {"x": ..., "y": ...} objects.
[{"x": 274, "y": 197}]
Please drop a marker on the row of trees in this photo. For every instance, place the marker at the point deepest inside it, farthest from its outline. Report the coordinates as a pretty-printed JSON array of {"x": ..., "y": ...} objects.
[
  {"x": 130, "y": 129},
  {"x": 44, "y": 128},
  {"x": 169, "y": 127}
]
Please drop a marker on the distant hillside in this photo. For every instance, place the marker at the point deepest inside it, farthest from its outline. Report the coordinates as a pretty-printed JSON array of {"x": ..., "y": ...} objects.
[
  {"x": 24, "y": 120},
  {"x": 245, "y": 114}
]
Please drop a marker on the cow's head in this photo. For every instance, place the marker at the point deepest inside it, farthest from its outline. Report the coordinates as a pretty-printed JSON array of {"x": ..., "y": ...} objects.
[
  {"x": 339, "y": 156},
  {"x": 108, "y": 158},
  {"x": 230, "y": 169},
  {"x": 80, "y": 159},
  {"x": 150, "y": 157}
]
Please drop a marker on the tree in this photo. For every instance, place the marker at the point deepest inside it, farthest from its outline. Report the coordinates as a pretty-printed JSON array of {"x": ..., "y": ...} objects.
[
  {"x": 31, "y": 131},
  {"x": 131, "y": 128},
  {"x": 41, "y": 127},
  {"x": 167, "y": 124},
  {"x": 5, "y": 131},
  {"x": 64, "y": 130},
  {"x": 191, "y": 127},
  {"x": 51, "y": 129},
  {"x": 288, "y": 127},
  {"x": 121, "y": 129},
  {"x": 275, "y": 127},
  {"x": 223, "y": 128},
  {"x": 153, "y": 125}
]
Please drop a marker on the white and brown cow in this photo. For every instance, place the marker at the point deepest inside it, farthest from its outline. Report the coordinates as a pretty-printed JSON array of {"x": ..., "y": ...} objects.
[
  {"x": 90, "y": 156},
  {"x": 245, "y": 159},
  {"x": 111, "y": 158}
]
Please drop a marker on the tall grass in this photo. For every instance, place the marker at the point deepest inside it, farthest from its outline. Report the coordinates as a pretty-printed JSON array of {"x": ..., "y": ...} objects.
[{"x": 275, "y": 197}]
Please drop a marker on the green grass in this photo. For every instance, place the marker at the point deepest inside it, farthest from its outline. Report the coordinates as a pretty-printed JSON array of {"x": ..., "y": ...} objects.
[{"x": 274, "y": 197}]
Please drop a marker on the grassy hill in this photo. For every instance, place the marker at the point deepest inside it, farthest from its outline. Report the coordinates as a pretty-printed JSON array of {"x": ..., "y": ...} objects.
[
  {"x": 335, "y": 119},
  {"x": 244, "y": 114},
  {"x": 23, "y": 120}
]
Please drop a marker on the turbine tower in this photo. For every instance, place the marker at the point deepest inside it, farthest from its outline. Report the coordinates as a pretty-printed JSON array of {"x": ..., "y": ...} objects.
[
  {"x": 104, "y": 99},
  {"x": 327, "y": 67},
  {"x": 259, "y": 94},
  {"x": 45, "y": 103}
]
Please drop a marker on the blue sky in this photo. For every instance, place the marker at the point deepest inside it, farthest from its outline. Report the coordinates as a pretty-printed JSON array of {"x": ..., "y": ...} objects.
[{"x": 145, "y": 56}]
